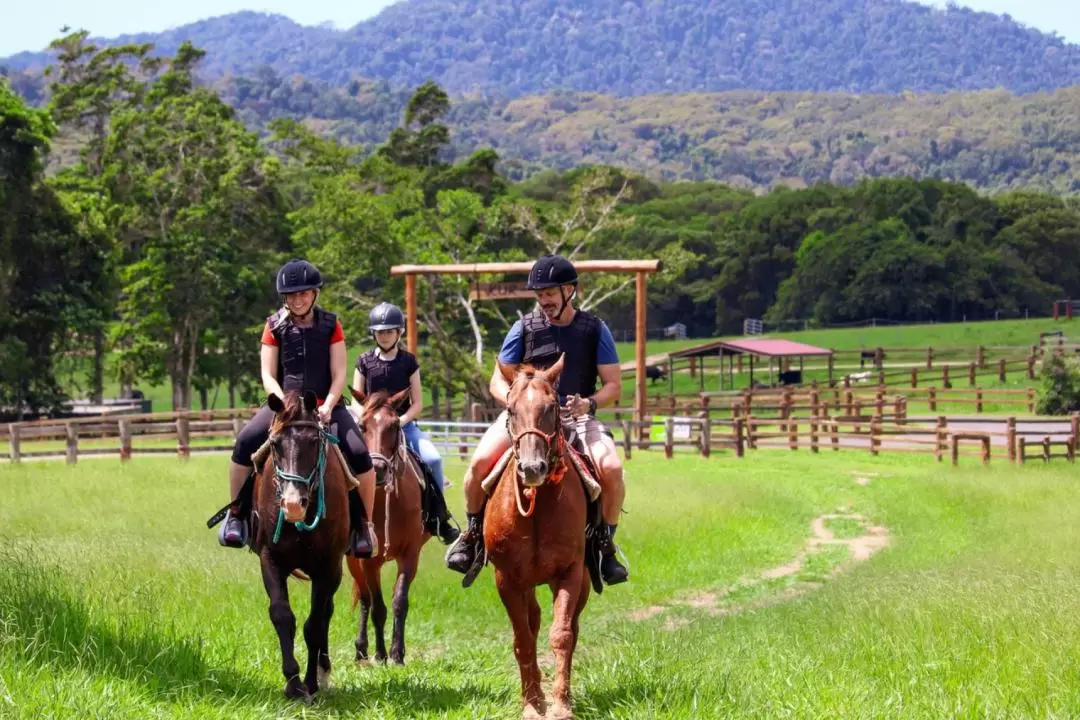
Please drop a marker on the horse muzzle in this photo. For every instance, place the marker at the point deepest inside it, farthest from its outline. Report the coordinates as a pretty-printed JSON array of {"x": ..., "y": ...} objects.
[
  {"x": 533, "y": 473},
  {"x": 293, "y": 504}
]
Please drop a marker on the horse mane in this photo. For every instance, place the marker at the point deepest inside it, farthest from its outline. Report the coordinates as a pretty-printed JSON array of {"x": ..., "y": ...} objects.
[
  {"x": 376, "y": 401},
  {"x": 294, "y": 410}
]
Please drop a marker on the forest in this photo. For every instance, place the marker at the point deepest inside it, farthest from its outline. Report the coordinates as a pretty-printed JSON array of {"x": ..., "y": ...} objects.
[{"x": 156, "y": 245}]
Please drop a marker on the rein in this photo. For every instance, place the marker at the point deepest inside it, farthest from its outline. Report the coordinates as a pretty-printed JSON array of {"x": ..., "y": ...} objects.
[{"x": 319, "y": 469}]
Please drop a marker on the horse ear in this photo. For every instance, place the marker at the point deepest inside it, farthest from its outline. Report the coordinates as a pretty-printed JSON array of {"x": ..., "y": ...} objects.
[
  {"x": 311, "y": 401},
  {"x": 397, "y": 399},
  {"x": 358, "y": 395},
  {"x": 275, "y": 403},
  {"x": 507, "y": 372},
  {"x": 553, "y": 372}
]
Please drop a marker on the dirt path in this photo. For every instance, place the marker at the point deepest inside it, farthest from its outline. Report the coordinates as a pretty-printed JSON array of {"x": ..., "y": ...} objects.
[{"x": 714, "y": 604}]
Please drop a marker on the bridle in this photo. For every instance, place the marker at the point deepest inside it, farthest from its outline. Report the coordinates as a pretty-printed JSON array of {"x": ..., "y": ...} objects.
[
  {"x": 317, "y": 475},
  {"x": 395, "y": 463},
  {"x": 555, "y": 442}
]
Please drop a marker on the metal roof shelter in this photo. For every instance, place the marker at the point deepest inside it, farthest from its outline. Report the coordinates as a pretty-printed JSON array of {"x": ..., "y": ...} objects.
[{"x": 761, "y": 348}]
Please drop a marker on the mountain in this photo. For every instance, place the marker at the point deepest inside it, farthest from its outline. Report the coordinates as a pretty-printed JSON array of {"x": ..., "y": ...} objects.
[{"x": 513, "y": 48}]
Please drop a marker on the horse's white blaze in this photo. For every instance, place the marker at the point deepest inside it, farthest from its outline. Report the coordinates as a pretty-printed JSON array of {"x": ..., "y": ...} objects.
[{"x": 290, "y": 501}]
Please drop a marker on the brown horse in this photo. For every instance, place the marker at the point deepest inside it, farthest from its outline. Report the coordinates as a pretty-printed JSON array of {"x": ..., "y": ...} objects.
[
  {"x": 301, "y": 518},
  {"x": 535, "y": 534},
  {"x": 399, "y": 528}
]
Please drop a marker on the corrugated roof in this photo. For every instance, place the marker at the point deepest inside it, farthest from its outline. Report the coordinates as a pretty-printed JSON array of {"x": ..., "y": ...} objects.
[{"x": 760, "y": 346}]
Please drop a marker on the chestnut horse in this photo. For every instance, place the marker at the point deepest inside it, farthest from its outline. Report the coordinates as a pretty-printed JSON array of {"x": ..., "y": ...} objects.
[
  {"x": 301, "y": 523},
  {"x": 399, "y": 527},
  {"x": 534, "y": 533}
]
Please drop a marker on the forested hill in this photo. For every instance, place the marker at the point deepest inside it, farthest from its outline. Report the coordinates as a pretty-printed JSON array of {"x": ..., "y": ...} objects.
[{"x": 633, "y": 47}]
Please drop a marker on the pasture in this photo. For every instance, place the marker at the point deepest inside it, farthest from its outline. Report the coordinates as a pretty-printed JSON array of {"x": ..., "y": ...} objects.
[{"x": 116, "y": 601}]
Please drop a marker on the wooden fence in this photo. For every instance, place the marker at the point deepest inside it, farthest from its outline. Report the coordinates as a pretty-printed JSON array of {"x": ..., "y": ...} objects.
[{"x": 815, "y": 428}]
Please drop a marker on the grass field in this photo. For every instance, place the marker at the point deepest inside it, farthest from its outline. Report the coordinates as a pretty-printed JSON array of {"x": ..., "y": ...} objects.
[{"x": 116, "y": 602}]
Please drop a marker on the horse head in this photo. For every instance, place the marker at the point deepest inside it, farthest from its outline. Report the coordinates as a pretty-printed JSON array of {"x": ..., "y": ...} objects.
[
  {"x": 532, "y": 420},
  {"x": 298, "y": 447},
  {"x": 381, "y": 428}
]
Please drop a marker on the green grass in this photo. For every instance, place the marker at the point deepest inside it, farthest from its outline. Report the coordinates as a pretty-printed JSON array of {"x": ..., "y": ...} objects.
[{"x": 116, "y": 601}]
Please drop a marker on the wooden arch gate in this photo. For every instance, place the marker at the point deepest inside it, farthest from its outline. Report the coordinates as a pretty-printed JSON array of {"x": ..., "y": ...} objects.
[{"x": 641, "y": 268}]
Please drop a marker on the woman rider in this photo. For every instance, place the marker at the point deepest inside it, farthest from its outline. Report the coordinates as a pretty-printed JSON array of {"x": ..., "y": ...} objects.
[
  {"x": 303, "y": 348},
  {"x": 387, "y": 367}
]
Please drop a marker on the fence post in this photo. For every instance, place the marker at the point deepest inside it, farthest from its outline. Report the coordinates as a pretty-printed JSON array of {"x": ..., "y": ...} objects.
[
  {"x": 14, "y": 433},
  {"x": 899, "y": 413},
  {"x": 879, "y": 357},
  {"x": 124, "y": 428},
  {"x": 945, "y": 376},
  {"x": 706, "y": 435},
  {"x": 1001, "y": 370},
  {"x": 669, "y": 437},
  {"x": 1021, "y": 444},
  {"x": 72, "y": 434},
  {"x": 929, "y": 358},
  {"x": 1010, "y": 438},
  {"x": 1031, "y": 367},
  {"x": 1075, "y": 427},
  {"x": 1031, "y": 400},
  {"x": 183, "y": 435},
  {"x": 942, "y": 437},
  {"x": 815, "y": 419},
  {"x": 914, "y": 377},
  {"x": 971, "y": 375},
  {"x": 931, "y": 398},
  {"x": 875, "y": 434},
  {"x": 793, "y": 434},
  {"x": 955, "y": 450},
  {"x": 737, "y": 430},
  {"x": 978, "y": 400},
  {"x": 980, "y": 356},
  {"x": 1046, "y": 448},
  {"x": 879, "y": 401}
]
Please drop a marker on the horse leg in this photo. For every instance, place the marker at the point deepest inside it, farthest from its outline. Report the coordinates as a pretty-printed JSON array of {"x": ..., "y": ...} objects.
[
  {"x": 568, "y": 592},
  {"x": 373, "y": 577},
  {"x": 517, "y": 604},
  {"x": 363, "y": 591},
  {"x": 281, "y": 615},
  {"x": 317, "y": 627},
  {"x": 406, "y": 574}
]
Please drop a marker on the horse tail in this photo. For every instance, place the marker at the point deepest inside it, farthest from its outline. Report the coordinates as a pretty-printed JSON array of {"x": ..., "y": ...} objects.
[{"x": 300, "y": 576}]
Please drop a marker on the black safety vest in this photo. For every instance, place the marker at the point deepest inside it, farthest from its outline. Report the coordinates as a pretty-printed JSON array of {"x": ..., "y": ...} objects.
[
  {"x": 304, "y": 353},
  {"x": 579, "y": 340},
  {"x": 393, "y": 376}
]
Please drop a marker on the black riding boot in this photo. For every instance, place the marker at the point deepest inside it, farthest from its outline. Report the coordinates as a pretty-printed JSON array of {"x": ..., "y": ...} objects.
[
  {"x": 467, "y": 554},
  {"x": 438, "y": 514},
  {"x": 360, "y": 541},
  {"x": 612, "y": 571}
]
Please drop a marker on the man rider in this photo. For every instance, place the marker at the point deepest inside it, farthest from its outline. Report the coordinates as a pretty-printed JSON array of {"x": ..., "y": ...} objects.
[{"x": 538, "y": 339}]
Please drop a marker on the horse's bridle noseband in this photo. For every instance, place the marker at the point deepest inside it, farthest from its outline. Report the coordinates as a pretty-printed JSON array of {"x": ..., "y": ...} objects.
[{"x": 282, "y": 476}]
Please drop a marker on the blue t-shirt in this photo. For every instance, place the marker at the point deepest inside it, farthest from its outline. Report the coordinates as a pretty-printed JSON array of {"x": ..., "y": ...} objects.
[{"x": 513, "y": 347}]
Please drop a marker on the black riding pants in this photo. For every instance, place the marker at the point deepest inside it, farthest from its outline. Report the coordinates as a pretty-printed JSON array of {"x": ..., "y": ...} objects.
[{"x": 342, "y": 425}]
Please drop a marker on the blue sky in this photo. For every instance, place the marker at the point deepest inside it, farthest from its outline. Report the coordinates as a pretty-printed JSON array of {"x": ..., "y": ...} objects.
[{"x": 30, "y": 26}]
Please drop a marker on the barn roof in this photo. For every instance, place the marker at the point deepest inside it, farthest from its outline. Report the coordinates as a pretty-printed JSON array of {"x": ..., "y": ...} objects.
[{"x": 761, "y": 347}]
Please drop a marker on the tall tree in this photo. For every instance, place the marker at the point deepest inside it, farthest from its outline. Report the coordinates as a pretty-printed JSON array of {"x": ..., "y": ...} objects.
[{"x": 89, "y": 85}]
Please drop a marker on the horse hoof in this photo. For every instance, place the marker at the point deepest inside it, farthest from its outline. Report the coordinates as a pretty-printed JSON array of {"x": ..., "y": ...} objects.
[
  {"x": 561, "y": 712},
  {"x": 532, "y": 713},
  {"x": 323, "y": 678},
  {"x": 296, "y": 690}
]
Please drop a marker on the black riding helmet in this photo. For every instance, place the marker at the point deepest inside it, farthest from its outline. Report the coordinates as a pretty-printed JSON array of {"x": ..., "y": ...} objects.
[
  {"x": 386, "y": 316},
  {"x": 297, "y": 276},
  {"x": 551, "y": 271}
]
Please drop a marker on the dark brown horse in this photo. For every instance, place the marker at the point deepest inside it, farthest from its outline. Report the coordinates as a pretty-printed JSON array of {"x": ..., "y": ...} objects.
[
  {"x": 301, "y": 517},
  {"x": 399, "y": 528},
  {"x": 534, "y": 534}
]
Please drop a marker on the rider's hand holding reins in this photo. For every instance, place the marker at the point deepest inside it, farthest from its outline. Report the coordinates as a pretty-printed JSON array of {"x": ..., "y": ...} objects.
[{"x": 578, "y": 405}]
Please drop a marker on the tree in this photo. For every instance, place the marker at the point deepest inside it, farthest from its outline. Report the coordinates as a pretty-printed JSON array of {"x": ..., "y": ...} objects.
[
  {"x": 50, "y": 263},
  {"x": 90, "y": 85},
  {"x": 203, "y": 213}
]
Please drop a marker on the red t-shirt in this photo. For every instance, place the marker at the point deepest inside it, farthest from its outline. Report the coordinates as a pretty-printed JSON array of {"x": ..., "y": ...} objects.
[
  {"x": 337, "y": 336},
  {"x": 269, "y": 339}
]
